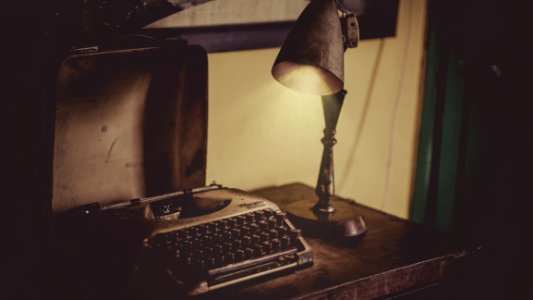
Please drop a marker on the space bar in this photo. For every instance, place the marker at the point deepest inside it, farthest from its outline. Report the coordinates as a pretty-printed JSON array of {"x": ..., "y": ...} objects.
[{"x": 250, "y": 262}]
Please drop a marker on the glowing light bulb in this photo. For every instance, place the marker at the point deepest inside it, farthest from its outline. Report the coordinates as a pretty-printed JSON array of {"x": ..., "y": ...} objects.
[{"x": 306, "y": 78}]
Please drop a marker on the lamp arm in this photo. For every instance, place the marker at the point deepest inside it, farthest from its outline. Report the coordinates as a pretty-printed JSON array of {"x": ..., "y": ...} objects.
[{"x": 325, "y": 187}]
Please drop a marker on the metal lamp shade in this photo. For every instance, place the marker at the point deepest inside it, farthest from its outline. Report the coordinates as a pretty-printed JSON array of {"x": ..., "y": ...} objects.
[{"x": 311, "y": 59}]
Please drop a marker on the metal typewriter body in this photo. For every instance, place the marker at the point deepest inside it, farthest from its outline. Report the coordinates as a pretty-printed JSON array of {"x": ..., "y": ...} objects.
[{"x": 220, "y": 247}]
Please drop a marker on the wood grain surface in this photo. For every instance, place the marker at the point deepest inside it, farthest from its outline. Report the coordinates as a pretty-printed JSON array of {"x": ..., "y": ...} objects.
[{"x": 394, "y": 256}]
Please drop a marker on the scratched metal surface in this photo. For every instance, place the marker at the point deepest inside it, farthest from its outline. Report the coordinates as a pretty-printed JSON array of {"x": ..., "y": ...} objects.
[{"x": 129, "y": 123}]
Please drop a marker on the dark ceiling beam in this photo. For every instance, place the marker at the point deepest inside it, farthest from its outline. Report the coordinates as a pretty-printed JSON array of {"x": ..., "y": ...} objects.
[
  {"x": 119, "y": 16},
  {"x": 377, "y": 19}
]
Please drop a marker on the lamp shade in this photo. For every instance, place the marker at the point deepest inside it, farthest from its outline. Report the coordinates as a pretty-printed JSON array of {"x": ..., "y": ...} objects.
[{"x": 311, "y": 59}]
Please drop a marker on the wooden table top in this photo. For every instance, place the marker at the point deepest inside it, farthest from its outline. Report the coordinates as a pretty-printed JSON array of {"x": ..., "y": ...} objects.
[{"x": 395, "y": 255}]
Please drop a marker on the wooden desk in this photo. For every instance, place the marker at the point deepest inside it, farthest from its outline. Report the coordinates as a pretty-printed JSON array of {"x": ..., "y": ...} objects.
[{"x": 394, "y": 257}]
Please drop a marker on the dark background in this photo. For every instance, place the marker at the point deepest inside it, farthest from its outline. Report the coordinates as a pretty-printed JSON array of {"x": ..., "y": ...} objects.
[
  {"x": 495, "y": 180},
  {"x": 492, "y": 38}
]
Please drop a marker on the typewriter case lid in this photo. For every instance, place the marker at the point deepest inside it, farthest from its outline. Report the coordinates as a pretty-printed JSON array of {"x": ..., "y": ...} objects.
[{"x": 129, "y": 123}]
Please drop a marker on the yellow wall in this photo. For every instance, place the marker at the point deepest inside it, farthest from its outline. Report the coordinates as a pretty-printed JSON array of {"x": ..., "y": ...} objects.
[{"x": 262, "y": 134}]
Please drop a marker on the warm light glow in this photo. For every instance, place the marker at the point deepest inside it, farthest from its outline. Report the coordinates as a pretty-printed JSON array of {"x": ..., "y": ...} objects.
[
  {"x": 306, "y": 78},
  {"x": 264, "y": 134}
]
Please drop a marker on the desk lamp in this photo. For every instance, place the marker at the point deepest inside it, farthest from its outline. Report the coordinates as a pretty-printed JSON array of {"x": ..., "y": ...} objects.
[{"x": 311, "y": 61}]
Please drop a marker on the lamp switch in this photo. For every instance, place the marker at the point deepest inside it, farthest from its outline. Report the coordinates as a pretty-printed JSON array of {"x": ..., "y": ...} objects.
[{"x": 350, "y": 29}]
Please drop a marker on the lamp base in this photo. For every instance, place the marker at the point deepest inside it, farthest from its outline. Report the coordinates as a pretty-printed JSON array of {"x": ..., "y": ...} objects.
[{"x": 345, "y": 220}]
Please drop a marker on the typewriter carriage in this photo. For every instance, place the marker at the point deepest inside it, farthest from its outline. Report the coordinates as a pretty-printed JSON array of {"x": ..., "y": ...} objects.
[{"x": 129, "y": 123}]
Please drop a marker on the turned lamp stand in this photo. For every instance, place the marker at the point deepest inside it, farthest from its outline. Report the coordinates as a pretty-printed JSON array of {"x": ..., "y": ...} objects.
[{"x": 328, "y": 215}]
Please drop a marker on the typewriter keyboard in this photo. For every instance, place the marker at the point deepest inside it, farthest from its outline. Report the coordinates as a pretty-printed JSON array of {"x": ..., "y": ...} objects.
[{"x": 228, "y": 250}]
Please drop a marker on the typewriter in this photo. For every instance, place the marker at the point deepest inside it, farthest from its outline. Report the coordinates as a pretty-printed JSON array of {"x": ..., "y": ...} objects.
[
  {"x": 198, "y": 240},
  {"x": 211, "y": 237}
]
